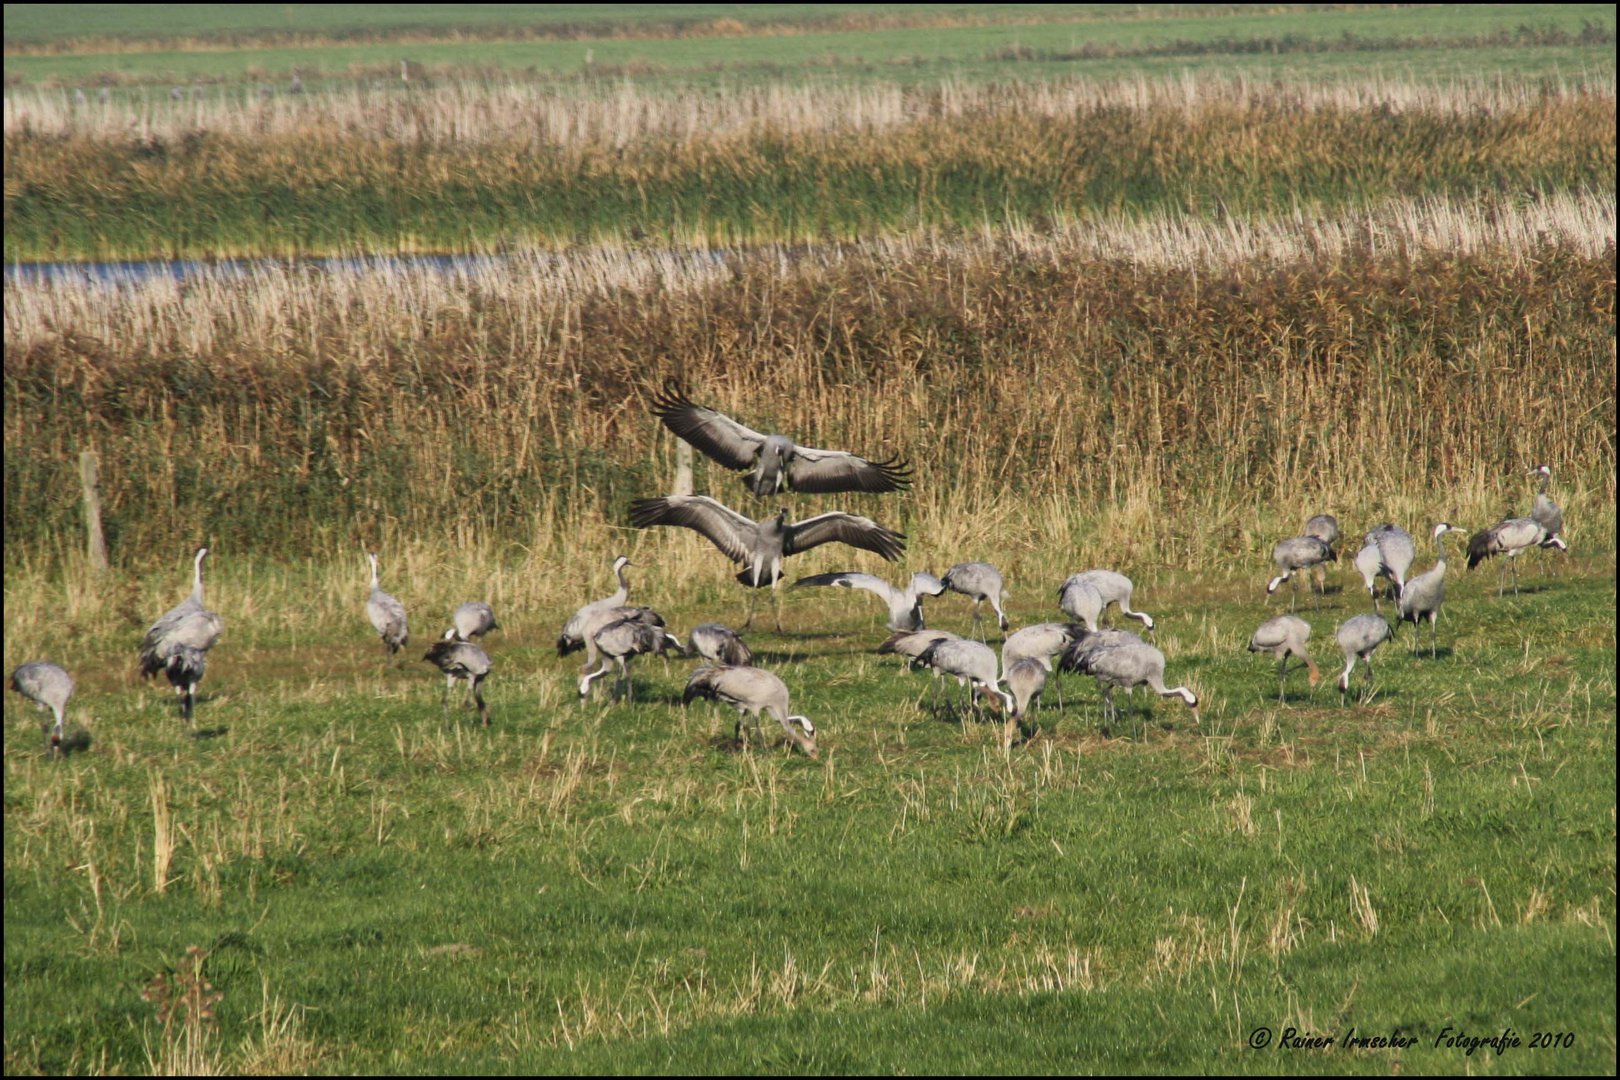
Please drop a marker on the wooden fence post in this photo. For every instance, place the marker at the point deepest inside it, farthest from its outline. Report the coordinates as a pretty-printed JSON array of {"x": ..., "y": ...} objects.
[
  {"x": 90, "y": 477},
  {"x": 683, "y": 468}
]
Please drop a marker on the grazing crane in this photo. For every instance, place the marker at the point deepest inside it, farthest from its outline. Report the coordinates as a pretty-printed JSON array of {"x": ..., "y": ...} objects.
[
  {"x": 185, "y": 668},
  {"x": 1546, "y": 513},
  {"x": 1293, "y": 555},
  {"x": 911, "y": 644},
  {"x": 1040, "y": 643},
  {"x": 1325, "y": 527},
  {"x": 983, "y": 582},
  {"x": 751, "y": 690},
  {"x": 1387, "y": 551},
  {"x": 573, "y": 636},
  {"x": 1124, "y": 661},
  {"x": 1509, "y": 538},
  {"x": 720, "y": 644},
  {"x": 1423, "y": 595},
  {"x": 1283, "y": 637},
  {"x": 1084, "y": 596},
  {"x": 49, "y": 687},
  {"x": 974, "y": 665},
  {"x": 777, "y": 462},
  {"x": 1358, "y": 636},
  {"x": 461, "y": 660},
  {"x": 905, "y": 605},
  {"x": 473, "y": 619},
  {"x": 187, "y": 623},
  {"x": 622, "y": 641},
  {"x": 1025, "y": 679},
  {"x": 760, "y": 546},
  {"x": 386, "y": 614}
]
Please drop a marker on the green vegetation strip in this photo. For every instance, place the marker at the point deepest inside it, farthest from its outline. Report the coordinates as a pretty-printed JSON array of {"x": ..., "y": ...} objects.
[{"x": 320, "y": 189}]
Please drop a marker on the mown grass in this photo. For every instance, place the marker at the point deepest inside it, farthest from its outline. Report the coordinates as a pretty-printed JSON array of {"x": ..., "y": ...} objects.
[{"x": 379, "y": 887}]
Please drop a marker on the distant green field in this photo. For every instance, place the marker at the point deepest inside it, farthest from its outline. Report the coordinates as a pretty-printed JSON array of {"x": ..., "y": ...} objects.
[{"x": 1417, "y": 42}]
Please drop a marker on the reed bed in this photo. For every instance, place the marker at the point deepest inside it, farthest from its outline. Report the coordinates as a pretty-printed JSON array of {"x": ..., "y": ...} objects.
[
  {"x": 1181, "y": 394},
  {"x": 474, "y": 168}
]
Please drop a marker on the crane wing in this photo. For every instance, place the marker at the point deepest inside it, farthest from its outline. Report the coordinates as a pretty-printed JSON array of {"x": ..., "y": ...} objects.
[
  {"x": 717, "y": 435},
  {"x": 728, "y": 530},
  {"x": 815, "y": 471},
  {"x": 860, "y": 532},
  {"x": 850, "y": 579}
]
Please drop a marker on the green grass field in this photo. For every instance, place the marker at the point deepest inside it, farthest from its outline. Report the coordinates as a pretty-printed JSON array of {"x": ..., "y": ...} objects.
[
  {"x": 380, "y": 886},
  {"x": 965, "y": 42},
  {"x": 1131, "y": 287}
]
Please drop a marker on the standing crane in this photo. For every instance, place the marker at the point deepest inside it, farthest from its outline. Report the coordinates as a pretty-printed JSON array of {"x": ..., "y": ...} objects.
[
  {"x": 1546, "y": 513},
  {"x": 720, "y": 644},
  {"x": 1423, "y": 595},
  {"x": 1117, "y": 659},
  {"x": 1283, "y": 637},
  {"x": 1293, "y": 555},
  {"x": 187, "y": 625},
  {"x": 974, "y": 665},
  {"x": 1358, "y": 636},
  {"x": 1387, "y": 551},
  {"x": 752, "y": 690},
  {"x": 473, "y": 619},
  {"x": 1508, "y": 538},
  {"x": 386, "y": 613},
  {"x": 1325, "y": 527},
  {"x": 573, "y": 636},
  {"x": 49, "y": 687},
  {"x": 1084, "y": 596},
  {"x": 461, "y": 660},
  {"x": 622, "y": 641},
  {"x": 982, "y": 582}
]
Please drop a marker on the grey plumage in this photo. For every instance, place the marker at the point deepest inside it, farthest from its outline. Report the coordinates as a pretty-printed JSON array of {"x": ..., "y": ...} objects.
[
  {"x": 905, "y": 605},
  {"x": 750, "y": 691},
  {"x": 1026, "y": 678},
  {"x": 1293, "y": 555},
  {"x": 974, "y": 665},
  {"x": 188, "y": 623},
  {"x": 1546, "y": 513},
  {"x": 461, "y": 660},
  {"x": 185, "y": 668},
  {"x": 720, "y": 644},
  {"x": 1040, "y": 643},
  {"x": 1325, "y": 527},
  {"x": 776, "y": 461},
  {"x": 473, "y": 619},
  {"x": 911, "y": 644},
  {"x": 621, "y": 641},
  {"x": 1123, "y": 660},
  {"x": 1086, "y": 594},
  {"x": 982, "y": 582},
  {"x": 573, "y": 636},
  {"x": 1422, "y": 595},
  {"x": 386, "y": 613},
  {"x": 1387, "y": 551},
  {"x": 1508, "y": 538},
  {"x": 1358, "y": 636},
  {"x": 49, "y": 686},
  {"x": 1282, "y": 637},
  {"x": 761, "y": 546}
]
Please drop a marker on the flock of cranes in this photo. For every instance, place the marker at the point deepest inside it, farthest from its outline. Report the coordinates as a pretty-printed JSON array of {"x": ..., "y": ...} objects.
[{"x": 613, "y": 632}]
